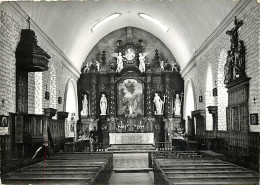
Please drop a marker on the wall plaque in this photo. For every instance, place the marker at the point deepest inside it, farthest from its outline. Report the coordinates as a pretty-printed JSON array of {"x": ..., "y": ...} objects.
[{"x": 254, "y": 119}]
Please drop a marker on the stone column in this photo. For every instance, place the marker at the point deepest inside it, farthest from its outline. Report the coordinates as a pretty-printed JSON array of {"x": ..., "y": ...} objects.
[
  {"x": 148, "y": 95},
  {"x": 214, "y": 111},
  {"x": 167, "y": 106},
  {"x": 93, "y": 96},
  {"x": 112, "y": 95}
]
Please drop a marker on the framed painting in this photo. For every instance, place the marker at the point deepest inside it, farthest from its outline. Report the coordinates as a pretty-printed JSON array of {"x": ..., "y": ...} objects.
[{"x": 130, "y": 97}]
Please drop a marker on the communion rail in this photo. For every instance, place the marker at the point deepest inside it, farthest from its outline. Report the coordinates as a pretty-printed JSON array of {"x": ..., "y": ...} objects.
[{"x": 83, "y": 146}]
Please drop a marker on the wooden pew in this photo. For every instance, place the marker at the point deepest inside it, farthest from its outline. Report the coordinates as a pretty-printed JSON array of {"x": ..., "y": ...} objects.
[
  {"x": 66, "y": 168},
  {"x": 203, "y": 170}
]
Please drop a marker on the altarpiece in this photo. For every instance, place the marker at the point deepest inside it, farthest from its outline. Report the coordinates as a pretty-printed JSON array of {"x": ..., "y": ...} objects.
[{"x": 129, "y": 84}]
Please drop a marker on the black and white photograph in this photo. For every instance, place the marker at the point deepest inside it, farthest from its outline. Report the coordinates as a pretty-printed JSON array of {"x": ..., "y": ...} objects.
[{"x": 129, "y": 92}]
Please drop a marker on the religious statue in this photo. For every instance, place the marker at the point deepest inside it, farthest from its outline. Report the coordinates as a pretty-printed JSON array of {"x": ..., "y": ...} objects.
[
  {"x": 235, "y": 65},
  {"x": 162, "y": 65},
  {"x": 234, "y": 33},
  {"x": 103, "y": 104},
  {"x": 130, "y": 109},
  {"x": 93, "y": 66},
  {"x": 167, "y": 66},
  {"x": 85, "y": 68},
  {"x": 228, "y": 71},
  {"x": 98, "y": 65},
  {"x": 120, "y": 59},
  {"x": 84, "y": 111},
  {"x": 158, "y": 104},
  {"x": 142, "y": 61},
  {"x": 174, "y": 66},
  {"x": 240, "y": 57},
  {"x": 177, "y": 105}
]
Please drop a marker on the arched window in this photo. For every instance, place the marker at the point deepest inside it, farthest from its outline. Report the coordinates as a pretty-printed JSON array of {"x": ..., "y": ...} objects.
[
  {"x": 71, "y": 99},
  {"x": 222, "y": 92},
  {"x": 209, "y": 100},
  {"x": 189, "y": 101},
  {"x": 71, "y": 106}
]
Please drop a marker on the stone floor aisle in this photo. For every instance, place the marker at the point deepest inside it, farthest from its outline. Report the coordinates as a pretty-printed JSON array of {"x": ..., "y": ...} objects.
[
  {"x": 134, "y": 164},
  {"x": 130, "y": 160},
  {"x": 131, "y": 179}
]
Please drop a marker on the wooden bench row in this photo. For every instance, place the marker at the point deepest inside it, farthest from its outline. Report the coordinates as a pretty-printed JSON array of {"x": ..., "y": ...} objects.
[
  {"x": 66, "y": 168},
  {"x": 201, "y": 170}
]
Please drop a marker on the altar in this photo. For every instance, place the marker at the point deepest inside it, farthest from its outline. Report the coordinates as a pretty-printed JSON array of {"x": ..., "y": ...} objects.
[
  {"x": 130, "y": 99},
  {"x": 131, "y": 138}
]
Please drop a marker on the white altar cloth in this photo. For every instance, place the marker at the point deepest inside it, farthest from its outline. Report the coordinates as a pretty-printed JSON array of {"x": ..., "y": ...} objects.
[{"x": 131, "y": 138}]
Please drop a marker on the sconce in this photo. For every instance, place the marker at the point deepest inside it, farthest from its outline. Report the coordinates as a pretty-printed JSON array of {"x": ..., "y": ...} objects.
[
  {"x": 3, "y": 102},
  {"x": 59, "y": 99},
  {"x": 215, "y": 90},
  {"x": 254, "y": 99},
  {"x": 47, "y": 94},
  {"x": 200, "y": 98}
]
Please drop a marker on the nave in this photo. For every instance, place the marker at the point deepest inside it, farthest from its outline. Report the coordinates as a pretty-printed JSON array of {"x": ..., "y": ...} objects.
[
  {"x": 157, "y": 167},
  {"x": 130, "y": 92}
]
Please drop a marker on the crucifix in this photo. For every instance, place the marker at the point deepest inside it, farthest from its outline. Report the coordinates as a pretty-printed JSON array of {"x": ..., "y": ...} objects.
[
  {"x": 164, "y": 98},
  {"x": 234, "y": 33}
]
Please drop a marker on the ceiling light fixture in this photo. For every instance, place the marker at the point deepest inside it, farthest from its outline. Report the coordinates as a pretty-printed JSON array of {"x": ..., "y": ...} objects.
[
  {"x": 148, "y": 17},
  {"x": 109, "y": 18}
]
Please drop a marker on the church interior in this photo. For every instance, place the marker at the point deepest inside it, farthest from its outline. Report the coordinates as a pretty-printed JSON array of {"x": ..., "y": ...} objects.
[{"x": 130, "y": 92}]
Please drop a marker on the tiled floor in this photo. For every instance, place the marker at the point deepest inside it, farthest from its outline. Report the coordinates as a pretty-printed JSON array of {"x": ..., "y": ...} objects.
[
  {"x": 129, "y": 161},
  {"x": 131, "y": 179}
]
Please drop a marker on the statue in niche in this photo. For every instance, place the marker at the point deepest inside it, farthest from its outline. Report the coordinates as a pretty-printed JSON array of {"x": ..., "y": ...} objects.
[
  {"x": 103, "y": 104},
  {"x": 120, "y": 61},
  {"x": 228, "y": 68},
  {"x": 158, "y": 104},
  {"x": 177, "y": 105},
  {"x": 84, "y": 111}
]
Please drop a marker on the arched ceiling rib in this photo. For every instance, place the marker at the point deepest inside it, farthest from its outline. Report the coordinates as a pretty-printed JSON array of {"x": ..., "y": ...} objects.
[{"x": 69, "y": 24}]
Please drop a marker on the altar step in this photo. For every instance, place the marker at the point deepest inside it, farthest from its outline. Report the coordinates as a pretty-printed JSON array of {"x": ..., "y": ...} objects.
[{"x": 131, "y": 148}]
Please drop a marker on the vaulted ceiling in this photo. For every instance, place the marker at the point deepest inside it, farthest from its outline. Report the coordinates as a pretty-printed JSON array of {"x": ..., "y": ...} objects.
[{"x": 68, "y": 24}]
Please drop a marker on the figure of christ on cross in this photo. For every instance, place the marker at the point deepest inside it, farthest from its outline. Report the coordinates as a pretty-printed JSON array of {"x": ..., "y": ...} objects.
[{"x": 234, "y": 33}]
